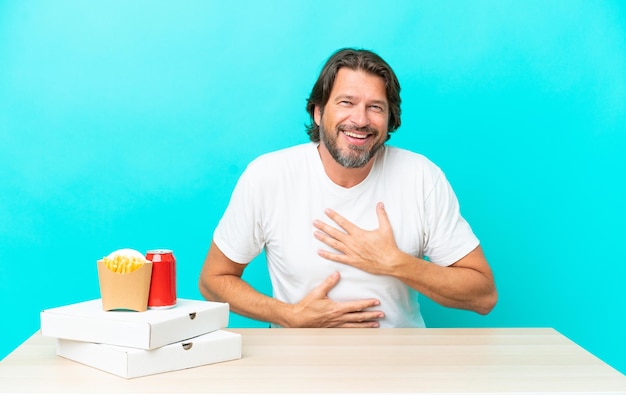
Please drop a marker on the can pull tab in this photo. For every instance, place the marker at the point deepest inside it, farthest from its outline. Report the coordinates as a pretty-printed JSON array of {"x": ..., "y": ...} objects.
[
  {"x": 187, "y": 346},
  {"x": 192, "y": 316}
]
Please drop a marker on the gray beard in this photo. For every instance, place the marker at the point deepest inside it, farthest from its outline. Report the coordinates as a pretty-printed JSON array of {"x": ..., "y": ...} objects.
[{"x": 356, "y": 158}]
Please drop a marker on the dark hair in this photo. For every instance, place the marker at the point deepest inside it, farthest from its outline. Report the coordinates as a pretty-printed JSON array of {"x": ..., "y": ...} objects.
[{"x": 355, "y": 59}]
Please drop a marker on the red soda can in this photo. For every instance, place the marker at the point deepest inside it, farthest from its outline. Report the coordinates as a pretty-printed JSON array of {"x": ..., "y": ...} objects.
[{"x": 163, "y": 283}]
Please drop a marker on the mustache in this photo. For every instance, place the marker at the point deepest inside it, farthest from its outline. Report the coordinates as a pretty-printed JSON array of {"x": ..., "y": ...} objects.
[{"x": 354, "y": 128}]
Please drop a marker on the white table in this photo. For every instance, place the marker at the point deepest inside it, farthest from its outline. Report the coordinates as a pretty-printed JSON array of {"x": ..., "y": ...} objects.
[{"x": 451, "y": 361}]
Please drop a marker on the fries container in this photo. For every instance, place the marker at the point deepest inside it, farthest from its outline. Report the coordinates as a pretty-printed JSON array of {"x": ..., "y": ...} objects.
[{"x": 125, "y": 291}]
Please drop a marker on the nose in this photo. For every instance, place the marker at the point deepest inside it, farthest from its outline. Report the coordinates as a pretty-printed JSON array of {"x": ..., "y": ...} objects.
[{"x": 359, "y": 116}]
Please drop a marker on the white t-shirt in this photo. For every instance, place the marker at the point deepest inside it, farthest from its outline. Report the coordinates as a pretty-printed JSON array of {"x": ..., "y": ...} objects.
[{"x": 280, "y": 194}]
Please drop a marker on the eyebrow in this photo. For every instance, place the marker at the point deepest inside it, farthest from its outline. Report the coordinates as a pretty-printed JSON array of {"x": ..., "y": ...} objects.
[
  {"x": 382, "y": 103},
  {"x": 344, "y": 97}
]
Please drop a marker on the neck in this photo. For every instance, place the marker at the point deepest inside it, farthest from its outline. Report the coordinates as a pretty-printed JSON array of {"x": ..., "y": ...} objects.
[{"x": 343, "y": 176}]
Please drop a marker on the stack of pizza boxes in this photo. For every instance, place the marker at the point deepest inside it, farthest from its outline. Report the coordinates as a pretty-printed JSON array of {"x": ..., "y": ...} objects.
[{"x": 120, "y": 335}]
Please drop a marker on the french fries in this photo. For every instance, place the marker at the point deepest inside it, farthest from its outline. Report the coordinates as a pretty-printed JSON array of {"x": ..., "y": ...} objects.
[{"x": 123, "y": 264}]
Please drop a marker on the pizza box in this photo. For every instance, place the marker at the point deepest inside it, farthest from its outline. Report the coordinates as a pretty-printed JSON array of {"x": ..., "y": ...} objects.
[
  {"x": 127, "y": 362},
  {"x": 150, "y": 329}
]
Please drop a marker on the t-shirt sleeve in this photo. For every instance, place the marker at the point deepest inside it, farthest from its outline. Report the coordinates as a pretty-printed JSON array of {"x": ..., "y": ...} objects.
[
  {"x": 448, "y": 236},
  {"x": 239, "y": 233}
]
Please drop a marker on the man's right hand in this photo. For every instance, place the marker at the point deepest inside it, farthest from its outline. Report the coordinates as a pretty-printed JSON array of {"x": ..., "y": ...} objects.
[
  {"x": 317, "y": 310},
  {"x": 220, "y": 281}
]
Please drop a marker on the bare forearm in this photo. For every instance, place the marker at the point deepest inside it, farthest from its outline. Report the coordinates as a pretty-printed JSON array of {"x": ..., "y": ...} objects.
[
  {"x": 220, "y": 280},
  {"x": 242, "y": 298},
  {"x": 458, "y": 286}
]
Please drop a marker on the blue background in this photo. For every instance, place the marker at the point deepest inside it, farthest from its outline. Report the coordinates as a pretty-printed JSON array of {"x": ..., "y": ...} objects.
[{"x": 127, "y": 123}]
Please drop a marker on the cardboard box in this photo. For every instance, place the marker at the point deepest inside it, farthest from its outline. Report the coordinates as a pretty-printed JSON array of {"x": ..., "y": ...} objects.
[
  {"x": 150, "y": 329},
  {"x": 218, "y": 346},
  {"x": 128, "y": 291}
]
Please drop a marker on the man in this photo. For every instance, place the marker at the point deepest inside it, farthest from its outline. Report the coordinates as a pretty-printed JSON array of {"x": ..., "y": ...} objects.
[{"x": 347, "y": 221}]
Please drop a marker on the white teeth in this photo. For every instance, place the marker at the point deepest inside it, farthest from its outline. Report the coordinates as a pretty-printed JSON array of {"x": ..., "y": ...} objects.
[{"x": 355, "y": 135}]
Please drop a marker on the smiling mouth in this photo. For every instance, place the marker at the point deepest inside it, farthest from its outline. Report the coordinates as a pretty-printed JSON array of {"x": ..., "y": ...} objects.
[
  {"x": 355, "y": 135},
  {"x": 359, "y": 133}
]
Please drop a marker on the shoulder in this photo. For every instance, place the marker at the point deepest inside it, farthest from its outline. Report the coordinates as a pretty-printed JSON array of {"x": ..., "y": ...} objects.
[
  {"x": 279, "y": 163},
  {"x": 286, "y": 154},
  {"x": 408, "y": 161}
]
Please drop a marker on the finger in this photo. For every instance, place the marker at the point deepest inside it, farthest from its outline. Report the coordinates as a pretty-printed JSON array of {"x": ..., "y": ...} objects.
[
  {"x": 328, "y": 240},
  {"x": 362, "y": 319},
  {"x": 383, "y": 219},
  {"x": 359, "y": 307},
  {"x": 366, "y": 324},
  {"x": 341, "y": 221},
  {"x": 329, "y": 283},
  {"x": 329, "y": 230},
  {"x": 340, "y": 258},
  {"x": 364, "y": 316}
]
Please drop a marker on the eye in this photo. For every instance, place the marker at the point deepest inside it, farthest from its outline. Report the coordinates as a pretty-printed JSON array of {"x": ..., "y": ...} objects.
[{"x": 377, "y": 108}]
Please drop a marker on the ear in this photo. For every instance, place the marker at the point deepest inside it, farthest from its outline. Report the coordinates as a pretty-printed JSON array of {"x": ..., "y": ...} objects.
[{"x": 317, "y": 115}]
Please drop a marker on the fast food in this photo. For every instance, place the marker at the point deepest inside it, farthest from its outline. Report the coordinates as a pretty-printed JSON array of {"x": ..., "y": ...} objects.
[{"x": 124, "y": 261}]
